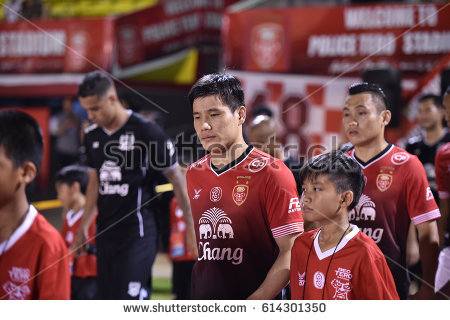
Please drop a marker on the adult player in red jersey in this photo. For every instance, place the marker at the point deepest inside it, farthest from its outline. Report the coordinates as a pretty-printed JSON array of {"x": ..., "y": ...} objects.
[
  {"x": 244, "y": 202},
  {"x": 71, "y": 183},
  {"x": 396, "y": 190},
  {"x": 442, "y": 165},
  {"x": 337, "y": 261},
  {"x": 34, "y": 263}
]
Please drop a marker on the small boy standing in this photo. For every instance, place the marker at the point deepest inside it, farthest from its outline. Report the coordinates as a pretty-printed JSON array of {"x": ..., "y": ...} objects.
[
  {"x": 71, "y": 183},
  {"x": 34, "y": 263},
  {"x": 337, "y": 261}
]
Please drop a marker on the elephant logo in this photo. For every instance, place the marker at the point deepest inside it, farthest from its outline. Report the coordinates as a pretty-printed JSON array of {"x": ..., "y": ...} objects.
[
  {"x": 364, "y": 210},
  {"x": 214, "y": 224},
  {"x": 110, "y": 171},
  {"x": 223, "y": 230}
]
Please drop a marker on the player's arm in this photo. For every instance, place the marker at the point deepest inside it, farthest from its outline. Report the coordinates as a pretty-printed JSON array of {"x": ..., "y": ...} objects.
[
  {"x": 444, "y": 206},
  {"x": 429, "y": 253},
  {"x": 80, "y": 243},
  {"x": 278, "y": 276},
  {"x": 174, "y": 176}
]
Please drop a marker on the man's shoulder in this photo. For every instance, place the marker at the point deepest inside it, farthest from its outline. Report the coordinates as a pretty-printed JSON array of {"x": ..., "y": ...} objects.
[
  {"x": 43, "y": 234},
  {"x": 201, "y": 163},
  {"x": 90, "y": 129},
  {"x": 444, "y": 152}
]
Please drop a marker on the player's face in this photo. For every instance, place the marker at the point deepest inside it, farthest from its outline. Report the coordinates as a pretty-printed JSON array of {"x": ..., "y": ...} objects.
[
  {"x": 429, "y": 114},
  {"x": 9, "y": 179},
  {"x": 216, "y": 126},
  {"x": 320, "y": 201},
  {"x": 101, "y": 111},
  {"x": 362, "y": 123},
  {"x": 447, "y": 107},
  {"x": 65, "y": 195}
]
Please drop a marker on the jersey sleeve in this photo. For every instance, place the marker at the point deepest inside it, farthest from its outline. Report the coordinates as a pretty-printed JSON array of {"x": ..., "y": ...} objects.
[
  {"x": 375, "y": 280},
  {"x": 282, "y": 201},
  {"x": 420, "y": 201},
  {"x": 53, "y": 280},
  {"x": 162, "y": 150},
  {"x": 442, "y": 172},
  {"x": 295, "y": 276}
]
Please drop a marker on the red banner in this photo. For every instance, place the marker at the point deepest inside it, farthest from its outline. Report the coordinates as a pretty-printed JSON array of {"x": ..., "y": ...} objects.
[
  {"x": 56, "y": 46},
  {"x": 168, "y": 27},
  {"x": 335, "y": 40}
]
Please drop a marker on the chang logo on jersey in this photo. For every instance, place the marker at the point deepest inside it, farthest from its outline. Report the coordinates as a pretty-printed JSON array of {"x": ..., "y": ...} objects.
[
  {"x": 111, "y": 172},
  {"x": 341, "y": 289},
  {"x": 294, "y": 205},
  {"x": 365, "y": 211},
  {"x": 126, "y": 141},
  {"x": 216, "y": 225}
]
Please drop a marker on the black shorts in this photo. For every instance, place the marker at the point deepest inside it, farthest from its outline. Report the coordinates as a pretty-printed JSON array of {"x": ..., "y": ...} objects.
[{"x": 125, "y": 266}]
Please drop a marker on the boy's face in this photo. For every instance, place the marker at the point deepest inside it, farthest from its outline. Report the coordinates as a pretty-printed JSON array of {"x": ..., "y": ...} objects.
[
  {"x": 429, "y": 115},
  {"x": 320, "y": 200},
  {"x": 216, "y": 126},
  {"x": 65, "y": 195},
  {"x": 361, "y": 120},
  {"x": 9, "y": 179}
]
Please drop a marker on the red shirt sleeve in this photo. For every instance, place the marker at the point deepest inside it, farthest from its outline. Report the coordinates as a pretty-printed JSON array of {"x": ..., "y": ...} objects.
[
  {"x": 442, "y": 172},
  {"x": 420, "y": 201},
  {"x": 282, "y": 201}
]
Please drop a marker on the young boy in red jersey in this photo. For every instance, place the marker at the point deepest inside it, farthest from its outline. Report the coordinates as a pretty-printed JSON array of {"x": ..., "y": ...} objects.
[
  {"x": 34, "y": 263},
  {"x": 71, "y": 183},
  {"x": 337, "y": 261}
]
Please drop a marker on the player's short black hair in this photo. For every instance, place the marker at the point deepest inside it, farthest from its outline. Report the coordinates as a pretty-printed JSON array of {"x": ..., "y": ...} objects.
[
  {"x": 21, "y": 138},
  {"x": 95, "y": 83},
  {"x": 340, "y": 169},
  {"x": 227, "y": 87},
  {"x": 437, "y": 100},
  {"x": 378, "y": 95},
  {"x": 74, "y": 173}
]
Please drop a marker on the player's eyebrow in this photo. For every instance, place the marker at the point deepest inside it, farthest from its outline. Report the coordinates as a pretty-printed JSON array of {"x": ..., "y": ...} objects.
[{"x": 357, "y": 107}]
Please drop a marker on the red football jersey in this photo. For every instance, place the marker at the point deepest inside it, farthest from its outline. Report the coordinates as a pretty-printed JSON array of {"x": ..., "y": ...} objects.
[
  {"x": 177, "y": 239},
  {"x": 396, "y": 192},
  {"x": 85, "y": 265},
  {"x": 238, "y": 212},
  {"x": 358, "y": 269},
  {"x": 35, "y": 263},
  {"x": 442, "y": 165}
]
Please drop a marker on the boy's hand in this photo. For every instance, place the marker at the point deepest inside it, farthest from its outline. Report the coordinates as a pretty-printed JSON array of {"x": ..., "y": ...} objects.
[{"x": 80, "y": 244}]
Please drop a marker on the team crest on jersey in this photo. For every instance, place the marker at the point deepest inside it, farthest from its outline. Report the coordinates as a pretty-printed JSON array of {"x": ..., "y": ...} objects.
[
  {"x": 384, "y": 181},
  {"x": 266, "y": 44},
  {"x": 126, "y": 141},
  {"x": 215, "y": 194},
  {"x": 240, "y": 193},
  {"x": 341, "y": 289},
  {"x": 258, "y": 164},
  {"x": 399, "y": 158}
]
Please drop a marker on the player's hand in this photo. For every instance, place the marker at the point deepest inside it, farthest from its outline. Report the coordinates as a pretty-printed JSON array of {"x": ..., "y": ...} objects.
[
  {"x": 191, "y": 243},
  {"x": 424, "y": 293},
  {"x": 80, "y": 244}
]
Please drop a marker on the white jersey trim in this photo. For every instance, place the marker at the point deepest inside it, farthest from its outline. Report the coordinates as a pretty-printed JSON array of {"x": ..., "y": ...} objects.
[
  {"x": 139, "y": 214},
  {"x": 431, "y": 215},
  {"x": 376, "y": 160},
  {"x": 322, "y": 255},
  {"x": 237, "y": 164},
  {"x": 21, "y": 230},
  {"x": 287, "y": 229},
  {"x": 72, "y": 217}
]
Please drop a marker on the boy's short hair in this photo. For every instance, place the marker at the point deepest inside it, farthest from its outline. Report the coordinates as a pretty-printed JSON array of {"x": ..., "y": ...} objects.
[
  {"x": 74, "y": 173},
  {"x": 378, "y": 95},
  {"x": 340, "y": 169},
  {"x": 95, "y": 83},
  {"x": 21, "y": 138},
  {"x": 226, "y": 86},
  {"x": 437, "y": 100}
]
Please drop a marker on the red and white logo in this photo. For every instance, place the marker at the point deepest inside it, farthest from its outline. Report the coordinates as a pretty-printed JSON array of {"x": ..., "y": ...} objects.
[
  {"x": 341, "y": 289},
  {"x": 216, "y": 194},
  {"x": 294, "y": 205},
  {"x": 266, "y": 44},
  {"x": 319, "y": 280},
  {"x": 399, "y": 158},
  {"x": 240, "y": 193},
  {"x": 384, "y": 181},
  {"x": 257, "y": 164},
  {"x": 429, "y": 194}
]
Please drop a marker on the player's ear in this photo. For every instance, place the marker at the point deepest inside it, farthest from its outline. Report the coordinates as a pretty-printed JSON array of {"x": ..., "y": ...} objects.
[
  {"x": 346, "y": 198},
  {"x": 386, "y": 114},
  {"x": 28, "y": 172},
  {"x": 242, "y": 113}
]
